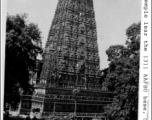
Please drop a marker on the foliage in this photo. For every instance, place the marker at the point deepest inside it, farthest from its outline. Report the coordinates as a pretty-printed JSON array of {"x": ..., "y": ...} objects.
[
  {"x": 23, "y": 44},
  {"x": 122, "y": 76}
]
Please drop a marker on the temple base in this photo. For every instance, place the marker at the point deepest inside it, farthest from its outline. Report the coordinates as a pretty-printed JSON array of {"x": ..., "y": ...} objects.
[{"x": 64, "y": 115}]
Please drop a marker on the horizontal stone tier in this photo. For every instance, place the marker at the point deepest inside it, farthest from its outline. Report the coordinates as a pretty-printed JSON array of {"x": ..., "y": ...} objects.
[
  {"x": 30, "y": 97},
  {"x": 67, "y": 99},
  {"x": 71, "y": 32},
  {"x": 76, "y": 59},
  {"x": 71, "y": 39},
  {"x": 88, "y": 14},
  {"x": 76, "y": 23},
  {"x": 68, "y": 91},
  {"x": 72, "y": 48},
  {"x": 76, "y": 6},
  {"x": 88, "y": 45},
  {"x": 25, "y": 111},
  {"x": 62, "y": 114},
  {"x": 64, "y": 105},
  {"x": 46, "y": 86},
  {"x": 66, "y": 110},
  {"x": 73, "y": 74},
  {"x": 64, "y": 101},
  {"x": 85, "y": 8},
  {"x": 60, "y": 107},
  {"x": 75, "y": 50},
  {"x": 74, "y": 39},
  {"x": 69, "y": 79},
  {"x": 74, "y": 31}
]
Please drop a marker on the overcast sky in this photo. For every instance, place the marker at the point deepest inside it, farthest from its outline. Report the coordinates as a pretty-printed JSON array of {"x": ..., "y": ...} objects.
[{"x": 113, "y": 17}]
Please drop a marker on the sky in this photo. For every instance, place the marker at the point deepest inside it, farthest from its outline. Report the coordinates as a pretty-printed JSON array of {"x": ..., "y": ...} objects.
[{"x": 113, "y": 17}]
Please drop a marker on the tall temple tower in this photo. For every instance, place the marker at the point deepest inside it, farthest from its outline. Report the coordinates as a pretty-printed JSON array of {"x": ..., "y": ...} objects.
[
  {"x": 71, "y": 47},
  {"x": 70, "y": 63}
]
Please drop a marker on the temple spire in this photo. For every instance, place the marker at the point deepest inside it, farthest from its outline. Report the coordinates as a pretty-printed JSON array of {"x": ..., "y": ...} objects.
[{"x": 72, "y": 41}]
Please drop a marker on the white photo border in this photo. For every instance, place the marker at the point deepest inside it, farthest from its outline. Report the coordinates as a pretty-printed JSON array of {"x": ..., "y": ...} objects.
[{"x": 144, "y": 109}]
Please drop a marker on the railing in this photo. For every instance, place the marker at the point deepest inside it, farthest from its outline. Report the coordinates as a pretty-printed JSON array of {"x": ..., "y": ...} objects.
[
  {"x": 27, "y": 97},
  {"x": 101, "y": 115},
  {"x": 25, "y": 111}
]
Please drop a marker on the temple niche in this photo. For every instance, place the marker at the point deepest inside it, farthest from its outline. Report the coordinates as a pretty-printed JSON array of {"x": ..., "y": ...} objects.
[{"x": 70, "y": 61}]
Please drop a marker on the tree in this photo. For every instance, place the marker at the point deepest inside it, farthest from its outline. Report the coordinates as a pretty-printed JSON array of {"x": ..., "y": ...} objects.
[
  {"x": 23, "y": 44},
  {"x": 122, "y": 76}
]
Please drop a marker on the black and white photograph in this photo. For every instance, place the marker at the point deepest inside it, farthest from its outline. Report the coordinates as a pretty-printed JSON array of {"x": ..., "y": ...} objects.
[{"x": 76, "y": 60}]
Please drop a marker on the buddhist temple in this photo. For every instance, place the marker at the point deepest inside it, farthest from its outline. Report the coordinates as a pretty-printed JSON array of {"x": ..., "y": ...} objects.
[{"x": 67, "y": 81}]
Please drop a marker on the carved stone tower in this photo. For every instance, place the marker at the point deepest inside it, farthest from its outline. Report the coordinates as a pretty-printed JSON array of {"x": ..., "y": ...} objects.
[
  {"x": 72, "y": 47},
  {"x": 70, "y": 61}
]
